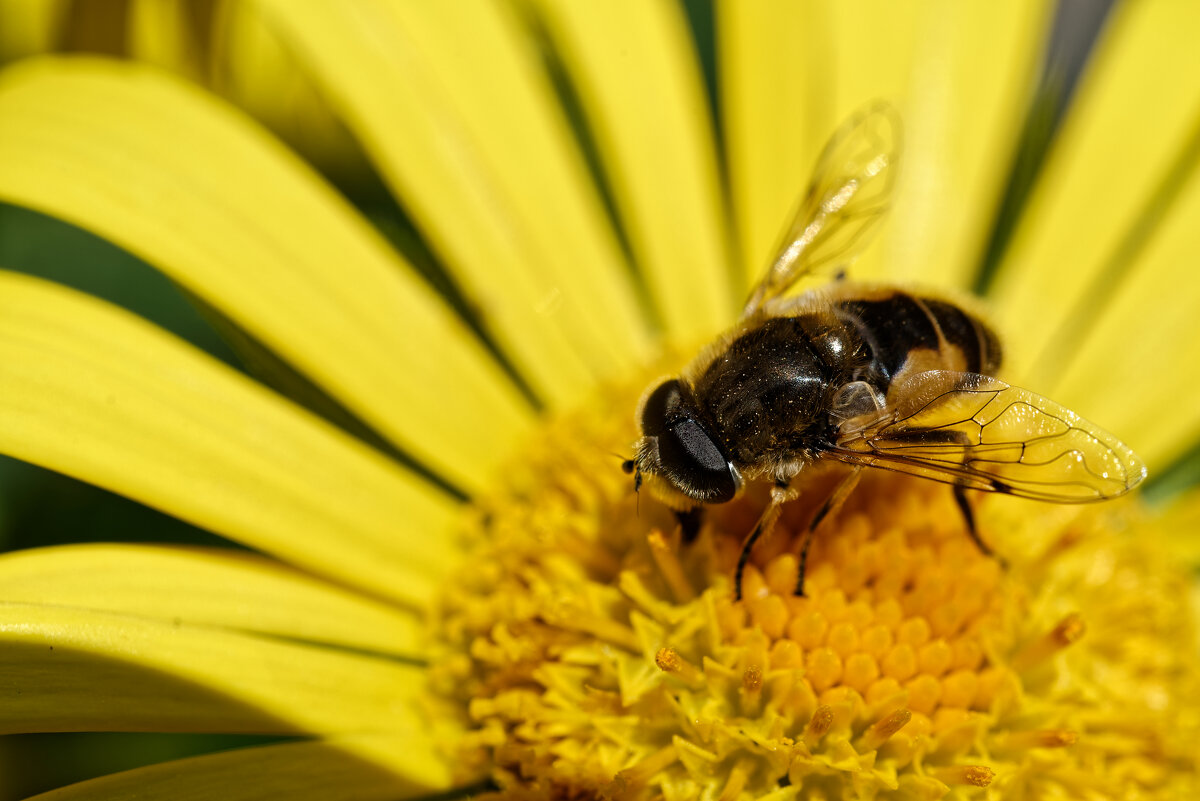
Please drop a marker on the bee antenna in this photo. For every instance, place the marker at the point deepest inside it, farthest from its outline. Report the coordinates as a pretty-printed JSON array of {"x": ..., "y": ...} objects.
[
  {"x": 630, "y": 467},
  {"x": 637, "y": 489},
  {"x": 625, "y": 460}
]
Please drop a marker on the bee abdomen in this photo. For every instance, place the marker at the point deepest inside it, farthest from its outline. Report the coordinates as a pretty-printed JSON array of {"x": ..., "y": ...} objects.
[{"x": 898, "y": 326}]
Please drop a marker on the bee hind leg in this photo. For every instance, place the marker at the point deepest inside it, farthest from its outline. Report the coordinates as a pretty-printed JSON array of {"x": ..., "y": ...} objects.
[
  {"x": 780, "y": 494},
  {"x": 964, "y": 506},
  {"x": 834, "y": 502}
]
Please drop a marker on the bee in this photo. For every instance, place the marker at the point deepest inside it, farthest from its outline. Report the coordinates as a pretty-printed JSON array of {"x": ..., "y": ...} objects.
[{"x": 867, "y": 375}]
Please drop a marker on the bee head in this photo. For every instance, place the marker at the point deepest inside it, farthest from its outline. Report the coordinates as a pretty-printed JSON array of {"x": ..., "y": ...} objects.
[{"x": 677, "y": 458}]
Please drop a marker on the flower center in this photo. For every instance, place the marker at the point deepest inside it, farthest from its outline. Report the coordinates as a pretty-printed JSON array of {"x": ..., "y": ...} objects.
[{"x": 590, "y": 653}]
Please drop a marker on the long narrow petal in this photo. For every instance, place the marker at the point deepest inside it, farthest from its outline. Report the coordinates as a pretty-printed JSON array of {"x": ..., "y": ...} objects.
[
  {"x": 73, "y": 670},
  {"x": 972, "y": 74},
  {"x": 639, "y": 81},
  {"x": 959, "y": 74},
  {"x": 97, "y": 393},
  {"x": 29, "y": 27},
  {"x": 1136, "y": 371},
  {"x": 450, "y": 102},
  {"x": 154, "y": 165},
  {"x": 206, "y": 587},
  {"x": 252, "y": 67},
  {"x": 1076, "y": 249},
  {"x": 167, "y": 33},
  {"x": 777, "y": 97},
  {"x": 366, "y": 768},
  {"x": 866, "y": 52}
]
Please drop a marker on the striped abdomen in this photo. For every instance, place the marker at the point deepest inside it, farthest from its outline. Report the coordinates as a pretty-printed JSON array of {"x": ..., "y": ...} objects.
[{"x": 906, "y": 332}]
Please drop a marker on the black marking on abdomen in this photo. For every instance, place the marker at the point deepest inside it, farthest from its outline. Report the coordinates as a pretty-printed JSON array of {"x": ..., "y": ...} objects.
[
  {"x": 891, "y": 327},
  {"x": 896, "y": 325},
  {"x": 960, "y": 330},
  {"x": 992, "y": 352}
]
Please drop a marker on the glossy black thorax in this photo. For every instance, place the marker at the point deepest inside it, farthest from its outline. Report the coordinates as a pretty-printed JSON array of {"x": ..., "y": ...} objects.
[
  {"x": 770, "y": 396},
  {"x": 767, "y": 395}
]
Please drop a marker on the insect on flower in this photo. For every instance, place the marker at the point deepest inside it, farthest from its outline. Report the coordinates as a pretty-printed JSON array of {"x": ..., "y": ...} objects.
[{"x": 870, "y": 375}]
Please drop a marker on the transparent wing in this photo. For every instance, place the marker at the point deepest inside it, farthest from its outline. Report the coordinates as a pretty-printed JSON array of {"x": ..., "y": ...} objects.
[
  {"x": 850, "y": 192},
  {"x": 980, "y": 433}
]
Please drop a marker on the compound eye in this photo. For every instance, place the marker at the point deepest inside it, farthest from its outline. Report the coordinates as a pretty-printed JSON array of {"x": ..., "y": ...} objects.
[
  {"x": 694, "y": 463},
  {"x": 664, "y": 401}
]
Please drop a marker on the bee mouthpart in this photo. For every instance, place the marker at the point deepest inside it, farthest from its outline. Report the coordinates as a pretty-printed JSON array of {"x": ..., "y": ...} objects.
[{"x": 628, "y": 465}]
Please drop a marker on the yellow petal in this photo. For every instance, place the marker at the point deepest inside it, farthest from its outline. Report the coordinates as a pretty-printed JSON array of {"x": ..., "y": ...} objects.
[
  {"x": 168, "y": 33},
  {"x": 74, "y": 670},
  {"x": 1136, "y": 371},
  {"x": 94, "y": 392},
  {"x": 454, "y": 109},
  {"x": 29, "y": 26},
  {"x": 971, "y": 76},
  {"x": 865, "y": 53},
  {"x": 156, "y": 166},
  {"x": 777, "y": 98},
  {"x": 253, "y": 68},
  {"x": 638, "y": 79},
  {"x": 1131, "y": 119},
  {"x": 958, "y": 73},
  {"x": 364, "y": 768},
  {"x": 877, "y": 45},
  {"x": 206, "y": 587}
]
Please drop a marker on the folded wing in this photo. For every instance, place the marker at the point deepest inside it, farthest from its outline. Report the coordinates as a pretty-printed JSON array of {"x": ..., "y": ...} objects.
[{"x": 981, "y": 433}]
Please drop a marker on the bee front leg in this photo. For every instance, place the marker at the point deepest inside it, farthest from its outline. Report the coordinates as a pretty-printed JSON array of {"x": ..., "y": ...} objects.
[
  {"x": 690, "y": 523},
  {"x": 781, "y": 493},
  {"x": 834, "y": 502}
]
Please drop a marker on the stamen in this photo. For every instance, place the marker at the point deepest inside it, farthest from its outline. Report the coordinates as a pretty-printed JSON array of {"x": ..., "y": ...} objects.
[
  {"x": 669, "y": 661},
  {"x": 1039, "y": 738},
  {"x": 752, "y": 683},
  {"x": 752, "y": 679},
  {"x": 883, "y": 729},
  {"x": 818, "y": 727},
  {"x": 974, "y": 775},
  {"x": 1068, "y": 631}
]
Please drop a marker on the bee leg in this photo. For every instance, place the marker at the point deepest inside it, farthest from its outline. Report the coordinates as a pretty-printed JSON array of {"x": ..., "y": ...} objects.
[
  {"x": 780, "y": 494},
  {"x": 834, "y": 502},
  {"x": 964, "y": 506},
  {"x": 690, "y": 522}
]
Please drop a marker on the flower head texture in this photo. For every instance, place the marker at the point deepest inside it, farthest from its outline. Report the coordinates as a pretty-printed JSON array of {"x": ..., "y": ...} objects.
[{"x": 449, "y": 587}]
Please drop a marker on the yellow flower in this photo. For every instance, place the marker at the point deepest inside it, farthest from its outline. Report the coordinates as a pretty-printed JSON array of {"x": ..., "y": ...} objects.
[{"x": 493, "y": 613}]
